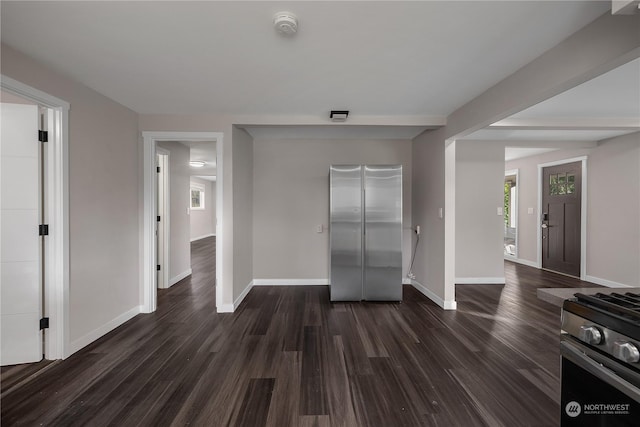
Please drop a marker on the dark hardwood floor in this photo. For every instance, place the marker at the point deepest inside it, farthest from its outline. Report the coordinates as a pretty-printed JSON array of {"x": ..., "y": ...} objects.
[{"x": 288, "y": 357}]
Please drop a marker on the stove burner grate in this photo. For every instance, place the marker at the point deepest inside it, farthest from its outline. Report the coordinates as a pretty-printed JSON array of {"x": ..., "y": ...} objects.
[{"x": 625, "y": 305}]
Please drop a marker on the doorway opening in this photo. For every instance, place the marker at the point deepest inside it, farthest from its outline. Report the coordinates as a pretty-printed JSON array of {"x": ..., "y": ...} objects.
[
  {"x": 510, "y": 211},
  {"x": 562, "y": 206},
  {"x": 35, "y": 271},
  {"x": 180, "y": 205}
]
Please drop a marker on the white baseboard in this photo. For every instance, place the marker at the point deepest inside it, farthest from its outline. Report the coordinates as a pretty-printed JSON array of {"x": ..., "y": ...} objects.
[
  {"x": 225, "y": 308},
  {"x": 605, "y": 282},
  {"x": 179, "y": 277},
  {"x": 290, "y": 282},
  {"x": 203, "y": 237},
  {"x": 480, "y": 280},
  {"x": 243, "y": 295},
  {"x": 447, "y": 305},
  {"x": 102, "y": 330},
  {"x": 523, "y": 261}
]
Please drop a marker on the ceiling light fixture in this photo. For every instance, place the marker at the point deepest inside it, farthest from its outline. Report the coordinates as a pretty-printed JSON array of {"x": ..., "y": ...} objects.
[
  {"x": 197, "y": 163},
  {"x": 339, "y": 115},
  {"x": 285, "y": 23}
]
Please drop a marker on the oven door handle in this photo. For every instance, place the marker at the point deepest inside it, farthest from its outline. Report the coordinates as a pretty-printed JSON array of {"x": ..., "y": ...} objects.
[{"x": 573, "y": 353}]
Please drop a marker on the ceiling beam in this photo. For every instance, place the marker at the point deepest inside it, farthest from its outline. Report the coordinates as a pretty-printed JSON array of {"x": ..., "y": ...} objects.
[{"x": 568, "y": 123}]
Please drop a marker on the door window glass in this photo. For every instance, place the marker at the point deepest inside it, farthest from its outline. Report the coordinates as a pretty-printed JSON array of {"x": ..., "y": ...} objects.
[
  {"x": 553, "y": 185},
  {"x": 571, "y": 183}
]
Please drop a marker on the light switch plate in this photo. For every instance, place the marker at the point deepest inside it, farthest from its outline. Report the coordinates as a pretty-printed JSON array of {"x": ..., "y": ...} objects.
[
  {"x": 499, "y": 210},
  {"x": 530, "y": 211}
]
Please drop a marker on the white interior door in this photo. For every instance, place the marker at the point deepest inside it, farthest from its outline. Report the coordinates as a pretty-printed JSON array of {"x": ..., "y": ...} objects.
[
  {"x": 162, "y": 198},
  {"x": 20, "y": 288}
]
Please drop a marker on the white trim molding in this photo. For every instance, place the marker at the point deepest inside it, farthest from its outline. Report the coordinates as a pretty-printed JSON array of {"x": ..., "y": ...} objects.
[
  {"x": 522, "y": 261},
  {"x": 149, "y": 275},
  {"x": 195, "y": 239},
  {"x": 179, "y": 277},
  {"x": 97, "y": 333},
  {"x": 583, "y": 212},
  {"x": 230, "y": 308},
  {"x": 57, "y": 248},
  {"x": 480, "y": 280},
  {"x": 605, "y": 282},
  {"x": 291, "y": 282},
  {"x": 446, "y": 305}
]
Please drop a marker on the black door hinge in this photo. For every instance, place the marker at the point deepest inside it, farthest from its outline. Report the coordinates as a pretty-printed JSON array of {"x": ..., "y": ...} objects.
[
  {"x": 158, "y": 169},
  {"x": 44, "y": 323},
  {"x": 158, "y": 218},
  {"x": 43, "y": 136},
  {"x": 158, "y": 267},
  {"x": 43, "y": 229}
]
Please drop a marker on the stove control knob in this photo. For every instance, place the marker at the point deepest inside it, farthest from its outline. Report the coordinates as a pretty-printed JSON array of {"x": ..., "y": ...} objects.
[
  {"x": 590, "y": 335},
  {"x": 626, "y": 352}
]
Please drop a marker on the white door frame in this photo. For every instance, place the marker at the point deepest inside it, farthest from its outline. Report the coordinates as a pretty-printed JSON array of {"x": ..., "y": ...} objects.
[
  {"x": 583, "y": 211},
  {"x": 149, "y": 285},
  {"x": 166, "y": 227},
  {"x": 56, "y": 296}
]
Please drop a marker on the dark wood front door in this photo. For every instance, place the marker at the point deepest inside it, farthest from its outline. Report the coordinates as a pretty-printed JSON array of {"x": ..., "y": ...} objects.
[{"x": 561, "y": 210}]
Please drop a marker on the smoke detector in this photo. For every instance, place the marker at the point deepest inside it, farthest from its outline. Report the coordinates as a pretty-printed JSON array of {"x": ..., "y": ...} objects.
[{"x": 285, "y": 23}]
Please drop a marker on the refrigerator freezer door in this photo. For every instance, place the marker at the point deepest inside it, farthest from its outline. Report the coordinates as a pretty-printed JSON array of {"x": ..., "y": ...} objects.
[
  {"x": 346, "y": 232},
  {"x": 383, "y": 233}
]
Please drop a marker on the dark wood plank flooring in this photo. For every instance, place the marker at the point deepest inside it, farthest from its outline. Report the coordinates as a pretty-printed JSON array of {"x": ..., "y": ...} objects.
[{"x": 288, "y": 357}]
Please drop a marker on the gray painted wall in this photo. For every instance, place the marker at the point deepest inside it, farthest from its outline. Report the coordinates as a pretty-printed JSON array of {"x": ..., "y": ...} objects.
[
  {"x": 479, "y": 229},
  {"x": 613, "y": 208},
  {"x": 203, "y": 222},
  {"x": 103, "y": 198},
  {"x": 179, "y": 233},
  {"x": 291, "y": 198}
]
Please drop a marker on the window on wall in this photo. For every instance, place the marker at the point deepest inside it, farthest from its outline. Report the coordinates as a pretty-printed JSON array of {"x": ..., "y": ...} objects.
[{"x": 197, "y": 197}]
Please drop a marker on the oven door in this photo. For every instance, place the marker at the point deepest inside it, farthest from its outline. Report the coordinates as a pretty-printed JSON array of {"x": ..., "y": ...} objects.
[{"x": 596, "y": 389}]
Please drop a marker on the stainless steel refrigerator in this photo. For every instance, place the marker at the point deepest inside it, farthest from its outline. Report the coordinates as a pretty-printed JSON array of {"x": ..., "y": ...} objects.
[{"x": 366, "y": 232}]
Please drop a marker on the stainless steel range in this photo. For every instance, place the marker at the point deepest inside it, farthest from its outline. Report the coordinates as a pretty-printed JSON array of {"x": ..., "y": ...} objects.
[{"x": 600, "y": 347}]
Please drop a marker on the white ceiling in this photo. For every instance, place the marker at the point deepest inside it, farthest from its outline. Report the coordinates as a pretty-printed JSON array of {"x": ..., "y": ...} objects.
[
  {"x": 389, "y": 58},
  {"x": 604, "y": 107},
  {"x": 204, "y": 151}
]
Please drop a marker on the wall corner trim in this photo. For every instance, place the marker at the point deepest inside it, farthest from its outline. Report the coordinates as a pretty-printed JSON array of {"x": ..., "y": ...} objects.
[
  {"x": 225, "y": 308},
  {"x": 194, "y": 239},
  {"x": 605, "y": 282},
  {"x": 526, "y": 262},
  {"x": 446, "y": 305},
  {"x": 291, "y": 282},
  {"x": 241, "y": 297},
  {"x": 179, "y": 277},
  {"x": 92, "y": 336},
  {"x": 480, "y": 280}
]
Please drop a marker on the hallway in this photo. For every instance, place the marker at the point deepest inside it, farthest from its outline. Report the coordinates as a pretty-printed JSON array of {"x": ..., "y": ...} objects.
[{"x": 288, "y": 357}]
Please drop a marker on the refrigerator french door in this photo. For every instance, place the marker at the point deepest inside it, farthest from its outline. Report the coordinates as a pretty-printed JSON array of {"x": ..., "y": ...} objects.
[{"x": 366, "y": 232}]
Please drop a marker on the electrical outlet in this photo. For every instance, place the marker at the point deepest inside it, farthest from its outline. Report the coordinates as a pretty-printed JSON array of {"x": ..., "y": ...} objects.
[
  {"x": 319, "y": 228},
  {"x": 418, "y": 230}
]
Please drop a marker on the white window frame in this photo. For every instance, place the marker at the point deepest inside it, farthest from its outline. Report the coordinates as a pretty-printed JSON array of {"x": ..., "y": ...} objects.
[{"x": 199, "y": 187}]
